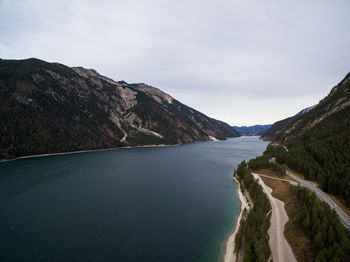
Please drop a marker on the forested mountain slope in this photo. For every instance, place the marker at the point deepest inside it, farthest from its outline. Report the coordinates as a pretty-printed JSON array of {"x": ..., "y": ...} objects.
[
  {"x": 318, "y": 142},
  {"x": 50, "y": 108}
]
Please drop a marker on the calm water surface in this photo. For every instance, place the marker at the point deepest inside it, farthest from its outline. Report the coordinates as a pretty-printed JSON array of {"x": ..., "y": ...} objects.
[{"x": 142, "y": 204}]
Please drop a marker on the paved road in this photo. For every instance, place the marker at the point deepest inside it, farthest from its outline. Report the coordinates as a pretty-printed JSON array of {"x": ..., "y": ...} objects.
[
  {"x": 344, "y": 218},
  {"x": 280, "y": 248}
]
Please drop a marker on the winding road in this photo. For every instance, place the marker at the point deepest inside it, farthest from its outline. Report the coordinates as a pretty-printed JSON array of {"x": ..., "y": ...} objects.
[{"x": 344, "y": 218}]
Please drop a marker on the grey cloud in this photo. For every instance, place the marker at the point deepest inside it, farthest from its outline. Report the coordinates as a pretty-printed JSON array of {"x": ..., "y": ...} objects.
[{"x": 233, "y": 60}]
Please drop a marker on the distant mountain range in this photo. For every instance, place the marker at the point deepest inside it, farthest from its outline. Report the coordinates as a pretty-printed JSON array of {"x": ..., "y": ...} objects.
[
  {"x": 51, "y": 108},
  {"x": 255, "y": 130}
]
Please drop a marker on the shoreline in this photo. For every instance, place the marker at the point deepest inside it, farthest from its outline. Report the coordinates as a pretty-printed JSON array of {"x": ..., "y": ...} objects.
[
  {"x": 83, "y": 151},
  {"x": 103, "y": 149},
  {"x": 229, "y": 255}
]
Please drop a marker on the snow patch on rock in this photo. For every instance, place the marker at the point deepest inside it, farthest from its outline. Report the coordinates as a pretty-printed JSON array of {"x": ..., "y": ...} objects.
[{"x": 213, "y": 138}]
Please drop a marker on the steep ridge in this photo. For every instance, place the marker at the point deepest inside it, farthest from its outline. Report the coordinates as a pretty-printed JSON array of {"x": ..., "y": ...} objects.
[
  {"x": 51, "y": 108},
  {"x": 279, "y": 126},
  {"x": 336, "y": 101}
]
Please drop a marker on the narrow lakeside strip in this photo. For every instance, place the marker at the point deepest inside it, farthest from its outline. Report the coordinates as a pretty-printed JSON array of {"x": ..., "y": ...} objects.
[
  {"x": 97, "y": 150},
  {"x": 252, "y": 239},
  {"x": 229, "y": 255},
  {"x": 84, "y": 151}
]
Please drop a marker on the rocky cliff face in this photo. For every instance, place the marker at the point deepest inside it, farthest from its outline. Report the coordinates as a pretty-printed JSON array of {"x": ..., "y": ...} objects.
[{"x": 49, "y": 108}]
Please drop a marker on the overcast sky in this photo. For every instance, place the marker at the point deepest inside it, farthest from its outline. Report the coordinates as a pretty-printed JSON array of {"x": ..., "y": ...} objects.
[{"x": 241, "y": 61}]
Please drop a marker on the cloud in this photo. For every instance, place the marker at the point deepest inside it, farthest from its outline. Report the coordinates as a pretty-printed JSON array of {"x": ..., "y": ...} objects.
[{"x": 216, "y": 56}]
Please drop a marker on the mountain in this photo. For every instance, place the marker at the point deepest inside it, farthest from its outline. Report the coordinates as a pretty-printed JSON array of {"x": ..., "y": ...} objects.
[
  {"x": 255, "y": 130},
  {"x": 50, "y": 108},
  {"x": 318, "y": 142},
  {"x": 306, "y": 110},
  {"x": 279, "y": 126}
]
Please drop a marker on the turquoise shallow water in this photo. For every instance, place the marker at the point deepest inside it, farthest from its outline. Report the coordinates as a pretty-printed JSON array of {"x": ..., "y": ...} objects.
[{"x": 143, "y": 204}]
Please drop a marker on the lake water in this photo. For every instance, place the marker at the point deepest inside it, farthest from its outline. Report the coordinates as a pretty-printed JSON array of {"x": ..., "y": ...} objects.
[{"x": 173, "y": 203}]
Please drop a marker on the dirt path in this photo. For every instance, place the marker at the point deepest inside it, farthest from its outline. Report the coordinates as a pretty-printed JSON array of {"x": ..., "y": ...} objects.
[
  {"x": 280, "y": 248},
  {"x": 281, "y": 179}
]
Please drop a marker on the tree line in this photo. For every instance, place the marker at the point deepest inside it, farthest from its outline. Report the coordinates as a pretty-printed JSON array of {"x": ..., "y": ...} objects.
[
  {"x": 263, "y": 162},
  {"x": 327, "y": 162},
  {"x": 321, "y": 153},
  {"x": 322, "y": 226},
  {"x": 253, "y": 230}
]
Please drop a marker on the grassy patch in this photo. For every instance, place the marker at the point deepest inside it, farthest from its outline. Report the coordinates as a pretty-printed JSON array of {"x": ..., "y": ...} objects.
[{"x": 269, "y": 172}]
